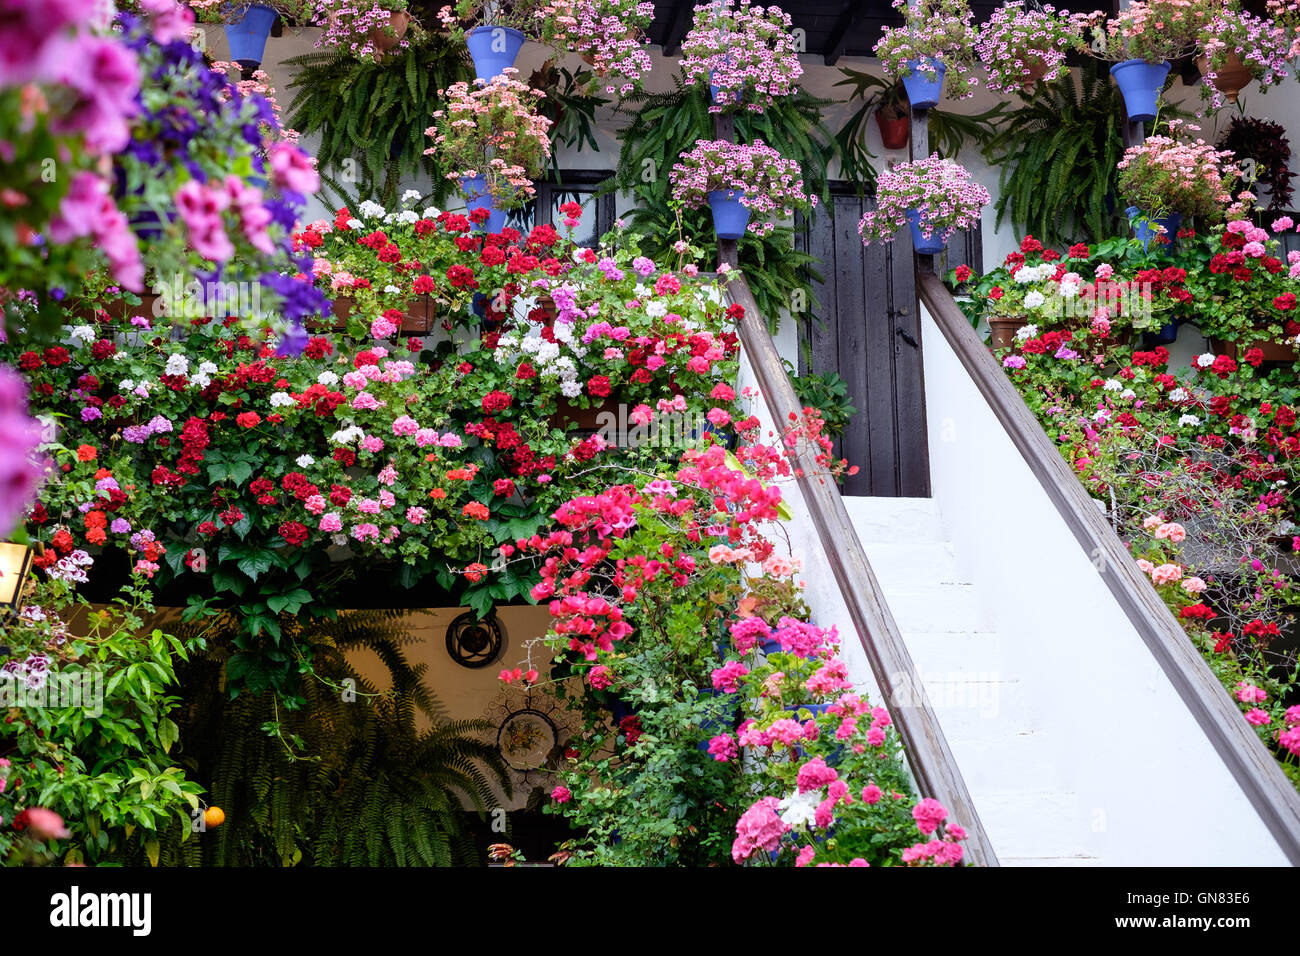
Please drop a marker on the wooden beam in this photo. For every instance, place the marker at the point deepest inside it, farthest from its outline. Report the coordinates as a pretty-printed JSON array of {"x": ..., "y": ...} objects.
[
  {"x": 839, "y": 36},
  {"x": 1246, "y": 758},
  {"x": 679, "y": 24}
]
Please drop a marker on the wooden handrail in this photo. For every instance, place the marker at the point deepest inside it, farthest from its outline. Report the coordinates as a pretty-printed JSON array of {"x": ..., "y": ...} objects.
[
  {"x": 1254, "y": 768},
  {"x": 928, "y": 756}
]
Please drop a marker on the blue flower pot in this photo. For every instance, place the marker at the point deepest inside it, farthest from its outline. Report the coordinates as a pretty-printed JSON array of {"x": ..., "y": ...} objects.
[
  {"x": 1165, "y": 335},
  {"x": 1140, "y": 84},
  {"x": 730, "y": 215},
  {"x": 922, "y": 92},
  {"x": 1144, "y": 231},
  {"x": 920, "y": 244},
  {"x": 493, "y": 49},
  {"x": 474, "y": 188},
  {"x": 770, "y": 646},
  {"x": 247, "y": 38},
  {"x": 816, "y": 711}
]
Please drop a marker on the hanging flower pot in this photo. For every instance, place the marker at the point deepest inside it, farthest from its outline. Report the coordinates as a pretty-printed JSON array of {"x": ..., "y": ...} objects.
[
  {"x": 1140, "y": 84},
  {"x": 493, "y": 49},
  {"x": 1144, "y": 230},
  {"x": 1230, "y": 78},
  {"x": 730, "y": 215},
  {"x": 894, "y": 131},
  {"x": 477, "y": 196},
  {"x": 920, "y": 244},
  {"x": 247, "y": 38},
  {"x": 922, "y": 91},
  {"x": 382, "y": 40},
  {"x": 1037, "y": 70}
]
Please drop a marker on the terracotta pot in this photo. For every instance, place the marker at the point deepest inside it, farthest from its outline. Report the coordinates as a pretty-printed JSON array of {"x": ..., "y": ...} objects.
[
  {"x": 544, "y": 312},
  {"x": 1004, "y": 328},
  {"x": 1228, "y": 79},
  {"x": 1273, "y": 351},
  {"x": 1037, "y": 70},
  {"x": 894, "y": 133},
  {"x": 400, "y": 21},
  {"x": 420, "y": 315}
]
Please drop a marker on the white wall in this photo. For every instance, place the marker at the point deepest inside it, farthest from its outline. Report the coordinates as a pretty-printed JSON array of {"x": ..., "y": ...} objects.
[{"x": 1150, "y": 788}]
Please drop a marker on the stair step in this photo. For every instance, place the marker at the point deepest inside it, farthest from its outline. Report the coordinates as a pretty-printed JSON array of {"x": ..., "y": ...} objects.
[
  {"x": 912, "y": 563},
  {"x": 894, "y": 520},
  {"x": 938, "y": 608}
]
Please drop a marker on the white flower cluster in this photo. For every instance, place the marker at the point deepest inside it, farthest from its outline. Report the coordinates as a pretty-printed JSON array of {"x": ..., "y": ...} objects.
[
  {"x": 548, "y": 358},
  {"x": 281, "y": 400},
  {"x": 82, "y": 333},
  {"x": 1026, "y": 332},
  {"x": 202, "y": 376},
  {"x": 371, "y": 210},
  {"x": 345, "y": 436},
  {"x": 177, "y": 365},
  {"x": 1028, "y": 274},
  {"x": 327, "y": 378}
]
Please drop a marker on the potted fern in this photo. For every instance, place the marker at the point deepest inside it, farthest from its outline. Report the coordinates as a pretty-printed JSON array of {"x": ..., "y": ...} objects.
[
  {"x": 932, "y": 53},
  {"x": 494, "y": 142}
]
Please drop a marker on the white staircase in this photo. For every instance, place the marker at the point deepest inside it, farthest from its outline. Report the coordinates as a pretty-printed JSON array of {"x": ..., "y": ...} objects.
[{"x": 990, "y": 715}]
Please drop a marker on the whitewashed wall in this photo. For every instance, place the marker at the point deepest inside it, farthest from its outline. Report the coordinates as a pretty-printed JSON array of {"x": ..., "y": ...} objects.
[{"x": 1141, "y": 771}]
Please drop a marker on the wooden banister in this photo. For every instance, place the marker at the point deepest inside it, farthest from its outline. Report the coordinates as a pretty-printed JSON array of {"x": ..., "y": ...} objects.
[
  {"x": 1254, "y": 768},
  {"x": 928, "y": 755}
]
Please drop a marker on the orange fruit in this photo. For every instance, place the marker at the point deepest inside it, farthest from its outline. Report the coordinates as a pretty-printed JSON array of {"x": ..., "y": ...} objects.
[{"x": 213, "y": 817}]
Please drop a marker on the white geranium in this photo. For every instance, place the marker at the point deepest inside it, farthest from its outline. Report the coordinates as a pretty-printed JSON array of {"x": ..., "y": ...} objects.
[
  {"x": 1128, "y": 394},
  {"x": 800, "y": 809},
  {"x": 126, "y": 385},
  {"x": 1034, "y": 299},
  {"x": 656, "y": 309},
  {"x": 1178, "y": 395},
  {"x": 1189, "y": 421},
  {"x": 431, "y": 212},
  {"x": 391, "y": 289},
  {"x": 1026, "y": 332},
  {"x": 407, "y": 217},
  {"x": 177, "y": 365},
  {"x": 370, "y": 209},
  {"x": 1204, "y": 360},
  {"x": 82, "y": 333},
  {"x": 347, "y": 435},
  {"x": 571, "y": 388},
  {"x": 411, "y": 195},
  {"x": 281, "y": 400},
  {"x": 355, "y": 224},
  {"x": 304, "y": 461},
  {"x": 1113, "y": 385}
]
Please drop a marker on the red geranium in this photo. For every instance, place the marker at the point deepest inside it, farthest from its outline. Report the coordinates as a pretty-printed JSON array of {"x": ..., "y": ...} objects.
[{"x": 598, "y": 385}]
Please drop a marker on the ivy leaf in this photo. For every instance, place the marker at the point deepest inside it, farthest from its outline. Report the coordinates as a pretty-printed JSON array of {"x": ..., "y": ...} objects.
[{"x": 259, "y": 562}]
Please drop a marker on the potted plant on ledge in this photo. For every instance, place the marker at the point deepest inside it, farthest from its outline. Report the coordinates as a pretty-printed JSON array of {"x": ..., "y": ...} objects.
[
  {"x": 746, "y": 54},
  {"x": 737, "y": 180},
  {"x": 932, "y": 53},
  {"x": 1164, "y": 179},
  {"x": 1019, "y": 47},
  {"x": 494, "y": 141},
  {"x": 934, "y": 196},
  {"x": 494, "y": 30}
]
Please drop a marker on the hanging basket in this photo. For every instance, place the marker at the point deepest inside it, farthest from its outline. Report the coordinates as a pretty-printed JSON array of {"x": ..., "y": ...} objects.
[
  {"x": 1140, "y": 84},
  {"x": 922, "y": 91},
  {"x": 920, "y": 244},
  {"x": 399, "y": 21},
  {"x": 730, "y": 215},
  {"x": 1037, "y": 70},
  {"x": 1230, "y": 78},
  {"x": 247, "y": 37},
  {"x": 895, "y": 132},
  {"x": 493, "y": 49}
]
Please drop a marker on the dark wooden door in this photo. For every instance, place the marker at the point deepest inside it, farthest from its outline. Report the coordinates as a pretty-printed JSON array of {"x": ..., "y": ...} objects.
[{"x": 865, "y": 326}]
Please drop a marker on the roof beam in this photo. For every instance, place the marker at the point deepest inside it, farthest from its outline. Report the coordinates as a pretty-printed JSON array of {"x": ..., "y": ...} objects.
[
  {"x": 839, "y": 37},
  {"x": 679, "y": 23}
]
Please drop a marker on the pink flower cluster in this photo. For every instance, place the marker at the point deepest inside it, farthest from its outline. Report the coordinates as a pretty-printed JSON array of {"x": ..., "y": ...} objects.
[
  {"x": 20, "y": 467},
  {"x": 746, "y": 52},
  {"x": 770, "y": 185},
  {"x": 941, "y": 191},
  {"x": 609, "y": 34},
  {"x": 1163, "y": 175},
  {"x": 1015, "y": 39}
]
